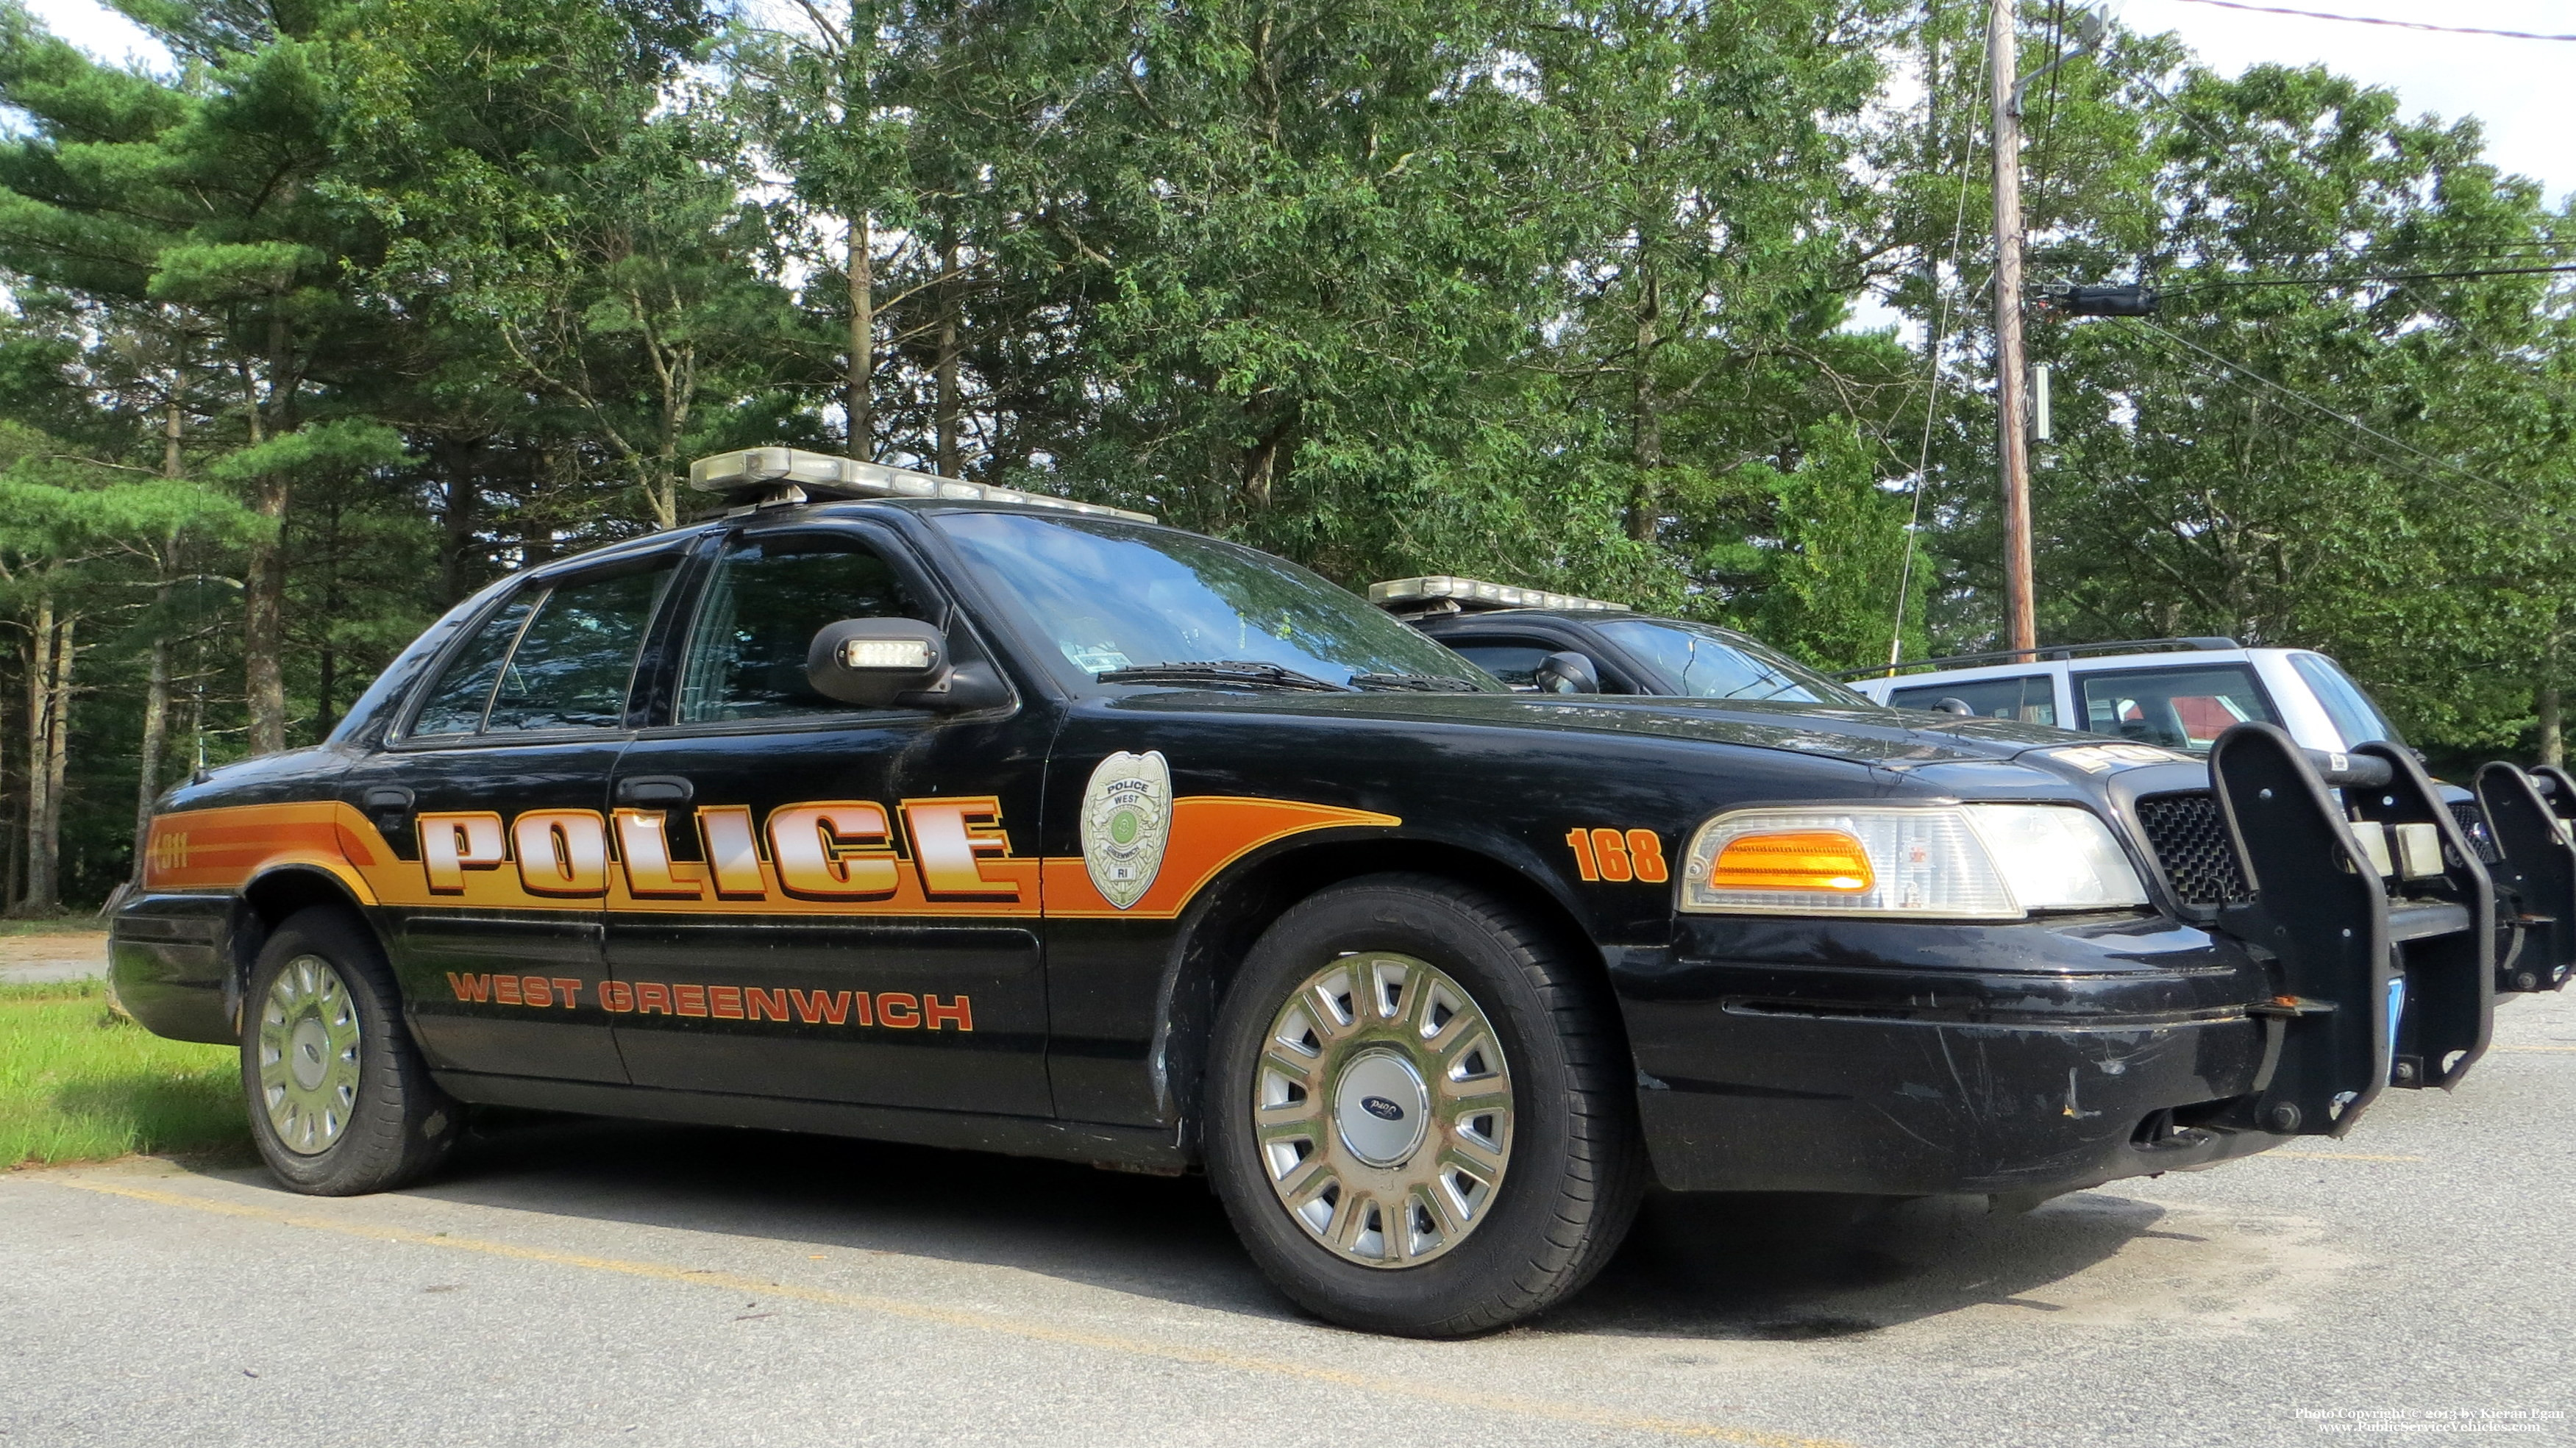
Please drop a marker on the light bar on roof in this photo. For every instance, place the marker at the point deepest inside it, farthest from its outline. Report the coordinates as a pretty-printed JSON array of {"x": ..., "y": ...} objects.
[
  {"x": 823, "y": 477},
  {"x": 1477, "y": 593}
]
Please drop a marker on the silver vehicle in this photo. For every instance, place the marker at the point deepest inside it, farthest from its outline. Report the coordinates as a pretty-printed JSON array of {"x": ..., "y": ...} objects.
[{"x": 2175, "y": 693}]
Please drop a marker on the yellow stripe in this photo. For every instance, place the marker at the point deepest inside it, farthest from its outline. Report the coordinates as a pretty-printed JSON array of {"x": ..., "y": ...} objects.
[
  {"x": 1019, "y": 1327},
  {"x": 2338, "y": 1156}
]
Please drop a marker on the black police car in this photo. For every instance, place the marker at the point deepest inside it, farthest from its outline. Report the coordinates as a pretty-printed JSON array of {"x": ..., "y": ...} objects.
[
  {"x": 1558, "y": 643},
  {"x": 891, "y": 806}
]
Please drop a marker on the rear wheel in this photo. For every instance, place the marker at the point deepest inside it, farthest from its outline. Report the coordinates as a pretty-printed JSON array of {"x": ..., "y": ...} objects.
[
  {"x": 1415, "y": 1114},
  {"x": 340, "y": 1101}
]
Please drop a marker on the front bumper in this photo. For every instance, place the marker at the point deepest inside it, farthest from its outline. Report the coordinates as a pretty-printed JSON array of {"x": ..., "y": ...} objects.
[{"x": 1910, "y": 1059}]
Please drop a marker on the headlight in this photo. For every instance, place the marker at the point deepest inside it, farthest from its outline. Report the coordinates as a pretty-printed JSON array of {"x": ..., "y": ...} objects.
[{"x": 1958, "y": 862}]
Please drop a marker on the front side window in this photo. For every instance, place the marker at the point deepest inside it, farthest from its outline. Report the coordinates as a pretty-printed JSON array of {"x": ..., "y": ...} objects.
[
  {"x": 2355, "y": 718},
  {"x": 763, "y": 605},
  {"x": 1703, "y": 662},
  {"x": 2029, "y": 698},
  {"x": 2174, "y": 708},
  {"x": 1102, "y": 596},
  {"x": 1513, "y": 662}
]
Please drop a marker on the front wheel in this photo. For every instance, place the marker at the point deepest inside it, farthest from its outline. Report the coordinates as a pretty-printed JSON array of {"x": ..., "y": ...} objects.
[
  {"x": 340, "y": 1101},
  {"x": 1416, "y": 1113}
]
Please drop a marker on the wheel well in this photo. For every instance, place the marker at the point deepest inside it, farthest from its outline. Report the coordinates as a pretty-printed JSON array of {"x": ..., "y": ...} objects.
[
  {"x": 1223, "y": 926},
  {"x": 270, "y": 900}
]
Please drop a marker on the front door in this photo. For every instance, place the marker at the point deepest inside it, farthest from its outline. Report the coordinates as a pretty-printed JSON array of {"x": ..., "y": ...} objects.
[
  {"x": 495, "y": 793},
  {"x": 820, "y": 902}
]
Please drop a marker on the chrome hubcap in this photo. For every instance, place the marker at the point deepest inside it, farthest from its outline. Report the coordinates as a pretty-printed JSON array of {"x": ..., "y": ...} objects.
[
  {"x": 1383, "y": 1109},
  {"x": 308, "y": 1055}
]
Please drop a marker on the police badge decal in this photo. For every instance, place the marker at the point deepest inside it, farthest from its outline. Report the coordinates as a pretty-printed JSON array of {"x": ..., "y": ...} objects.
[{"x": 1126, "y": 817}]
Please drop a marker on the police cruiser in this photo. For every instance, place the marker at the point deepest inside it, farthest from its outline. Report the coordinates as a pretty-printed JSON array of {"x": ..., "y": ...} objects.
[{"x": 892, "y": 806}]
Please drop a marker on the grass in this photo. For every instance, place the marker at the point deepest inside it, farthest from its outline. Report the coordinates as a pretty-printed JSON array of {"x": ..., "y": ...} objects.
[
  {"x": 80, "y": 1083},
  {"x": 77, "y": 923}
]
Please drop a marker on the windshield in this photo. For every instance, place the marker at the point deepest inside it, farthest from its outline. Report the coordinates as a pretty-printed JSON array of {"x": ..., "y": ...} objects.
[
  {"x": 2355, "y": 718},
  {"x": 1105, "y": 595},
  {"x": 1702, "y": 662}
]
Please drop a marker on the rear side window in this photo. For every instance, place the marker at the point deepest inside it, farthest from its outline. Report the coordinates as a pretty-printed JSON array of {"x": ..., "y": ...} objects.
[
  {"x": 759, "y": 615},
  {"x": 455, "y": 704},
  {"x": 2031, "y": 698},
  {"x": 555, "y": 658},
  {"x": 2174, "y": 708}
]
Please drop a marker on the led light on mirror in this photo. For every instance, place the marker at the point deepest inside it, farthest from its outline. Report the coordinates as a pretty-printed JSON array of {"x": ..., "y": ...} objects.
[{"x": 908, "y": 654}]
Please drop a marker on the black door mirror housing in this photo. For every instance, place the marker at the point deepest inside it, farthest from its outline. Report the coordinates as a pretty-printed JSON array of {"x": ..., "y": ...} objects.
[
  {"x": 898, "y": 663},
  {"x": 870, "y": 661},
  {"x": 1566, "y": 672},
  {"x": 1951, "y": 705}
]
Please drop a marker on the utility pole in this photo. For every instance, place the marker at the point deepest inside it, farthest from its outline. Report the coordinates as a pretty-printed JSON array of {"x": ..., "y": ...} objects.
[{"x": 2012, "y": 441}]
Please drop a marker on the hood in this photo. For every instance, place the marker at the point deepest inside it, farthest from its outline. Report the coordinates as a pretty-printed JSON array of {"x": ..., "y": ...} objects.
[{"x": 1872, "y": 736}]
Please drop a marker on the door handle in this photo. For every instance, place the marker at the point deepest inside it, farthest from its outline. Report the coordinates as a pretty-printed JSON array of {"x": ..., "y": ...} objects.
[
  {"x": 387, "y": 799},
  {"x": 648, "y": 789}
]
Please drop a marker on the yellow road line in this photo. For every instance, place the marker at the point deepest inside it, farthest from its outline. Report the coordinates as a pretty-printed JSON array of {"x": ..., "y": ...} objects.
[
  {"x": 2337, "y": 1156},
  {"x": 995, "y": 1322}
]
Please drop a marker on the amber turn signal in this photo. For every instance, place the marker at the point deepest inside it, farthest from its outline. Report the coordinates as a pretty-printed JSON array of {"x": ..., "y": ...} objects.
[{"x": 1793, "y": 860}]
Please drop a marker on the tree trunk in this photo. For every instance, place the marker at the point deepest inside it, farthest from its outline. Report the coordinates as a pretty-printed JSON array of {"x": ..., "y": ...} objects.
[
  {"x": 2553, "y": 739},
  {"x": 264, "y": 620},
  {"x": 856, "y": 389},
  {"x": 156, "y": 719},
  {"x": 948, "y": 399},
  {"x": 11, "y": 800},
  {"x": 58, "y": 740},
  {"x": 1646, "y": 431},
  {"x": 47, "y": 647},
  {"x": 456, "y": 518}
]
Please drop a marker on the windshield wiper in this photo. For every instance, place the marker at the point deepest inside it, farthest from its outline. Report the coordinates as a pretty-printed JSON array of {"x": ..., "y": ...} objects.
[
  {"x": 1218, "y": 671},
  {"x": 1416, "y": 683}
]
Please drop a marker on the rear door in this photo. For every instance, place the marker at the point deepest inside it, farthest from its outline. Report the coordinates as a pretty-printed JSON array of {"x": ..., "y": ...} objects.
[
  {"x": 816, "y": 901},
  {"x": 494, "y": 791},
  {"x": 2185, "y": 707}
]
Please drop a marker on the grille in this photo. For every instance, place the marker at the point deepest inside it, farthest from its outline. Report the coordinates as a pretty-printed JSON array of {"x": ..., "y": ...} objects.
[
  {"x": 2473, "y": 823},
  {"x": 2190, "y": 841}
]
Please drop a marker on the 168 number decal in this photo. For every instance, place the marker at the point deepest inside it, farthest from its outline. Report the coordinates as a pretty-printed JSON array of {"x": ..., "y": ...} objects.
[{"x": 1618, "y": 855}]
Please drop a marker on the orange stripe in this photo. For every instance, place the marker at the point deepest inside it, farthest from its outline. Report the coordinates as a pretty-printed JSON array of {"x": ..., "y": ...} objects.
[{"x": 229, "y": 847}]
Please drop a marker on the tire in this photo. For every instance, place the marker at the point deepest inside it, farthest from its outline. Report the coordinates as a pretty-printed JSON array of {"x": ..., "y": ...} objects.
[
  {"x": 340, "y": 1100},
  {"x": 1521, "y": 1175}
]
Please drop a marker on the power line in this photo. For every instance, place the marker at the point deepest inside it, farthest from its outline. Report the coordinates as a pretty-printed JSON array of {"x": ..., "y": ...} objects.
[
  {"x": 2356, "y": 424},
  {"x": 2497, "y": 271},
  {"x": 1932, "y": 353},
  {"x": 2378, "y": 20}
]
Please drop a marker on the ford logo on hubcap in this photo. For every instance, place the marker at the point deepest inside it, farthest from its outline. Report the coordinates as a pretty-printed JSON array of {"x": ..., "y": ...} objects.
[{"x": 1381, "y": 1108}]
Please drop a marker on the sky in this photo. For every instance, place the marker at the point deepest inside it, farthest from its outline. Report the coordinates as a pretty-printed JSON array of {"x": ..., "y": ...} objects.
[{"x": 2520, "y": 89}]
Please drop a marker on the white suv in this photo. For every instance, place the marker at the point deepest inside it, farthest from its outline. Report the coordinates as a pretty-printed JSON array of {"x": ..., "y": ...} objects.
[{"x": 2178, "y": 693}]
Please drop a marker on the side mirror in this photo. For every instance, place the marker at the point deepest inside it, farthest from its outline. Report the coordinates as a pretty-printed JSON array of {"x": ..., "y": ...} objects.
[
  {"x": 888, "y": 663},
  {"x": 869, "y": 661},
  {"x": 1566, "y": 672},
  {"x": 1950, "y": 705}
]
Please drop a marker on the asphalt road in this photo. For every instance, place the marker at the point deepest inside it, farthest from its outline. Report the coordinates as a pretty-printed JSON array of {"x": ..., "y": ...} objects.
[{"x": 579, "y": 1282}]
